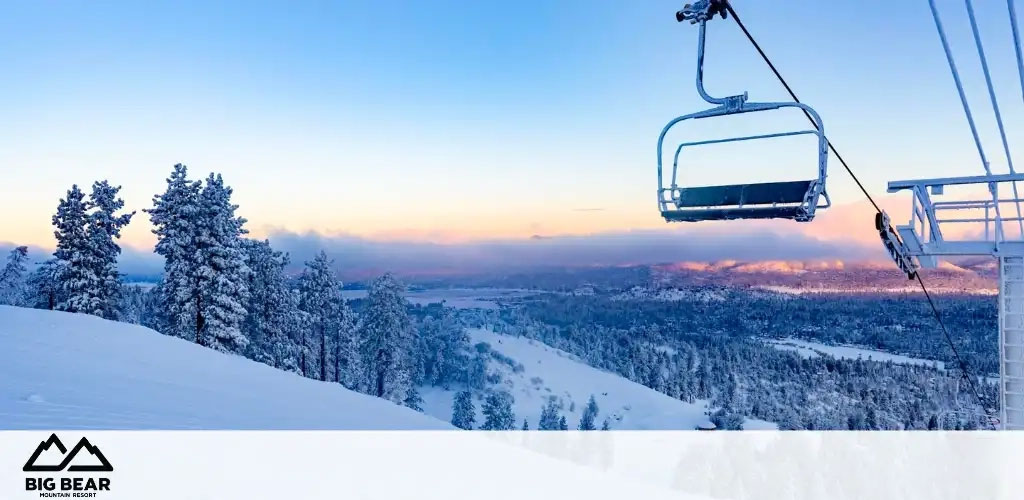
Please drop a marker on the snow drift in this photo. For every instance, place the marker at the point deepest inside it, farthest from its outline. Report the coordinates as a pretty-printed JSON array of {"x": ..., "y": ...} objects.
[{"x": 74, "y": 371}]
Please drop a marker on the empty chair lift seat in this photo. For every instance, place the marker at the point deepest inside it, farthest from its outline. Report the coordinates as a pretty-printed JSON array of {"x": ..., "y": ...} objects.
[{"x": 769, "y": 200}]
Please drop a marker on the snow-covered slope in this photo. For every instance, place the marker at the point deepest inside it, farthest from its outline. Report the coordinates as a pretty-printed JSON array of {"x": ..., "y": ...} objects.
[
  {"x": 73, "y": 371},
  {"x": 547, "y": 371}
]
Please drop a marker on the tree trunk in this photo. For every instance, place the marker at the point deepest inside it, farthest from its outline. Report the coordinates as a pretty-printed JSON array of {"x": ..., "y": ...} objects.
[
  {"x": 323, "y": 354},
  {"x": 200, "y": 321}
]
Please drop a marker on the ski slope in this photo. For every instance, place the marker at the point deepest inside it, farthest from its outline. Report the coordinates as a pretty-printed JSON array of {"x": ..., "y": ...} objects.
[
  {"x": 547, "y": 371},
  {"x": 73, "y": 371}
]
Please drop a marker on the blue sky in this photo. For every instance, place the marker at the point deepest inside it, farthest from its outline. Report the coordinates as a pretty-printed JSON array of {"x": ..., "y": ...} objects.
[{"x": 453, "y": 121}]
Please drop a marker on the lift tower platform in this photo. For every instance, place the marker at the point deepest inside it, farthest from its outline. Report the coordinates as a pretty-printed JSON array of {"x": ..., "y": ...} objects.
[{"x": 974, "y": 226}]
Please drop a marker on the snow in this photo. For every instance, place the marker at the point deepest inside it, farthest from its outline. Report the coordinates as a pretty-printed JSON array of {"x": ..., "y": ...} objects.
[
  {"x": 551, "y": 372},
  {"x": 813, "y": 349},
  {"x": 74, "y": 371},
  {"x": 459, "y": 298}
]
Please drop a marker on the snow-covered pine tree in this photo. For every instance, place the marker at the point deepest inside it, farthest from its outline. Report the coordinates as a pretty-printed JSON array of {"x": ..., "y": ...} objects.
[
  {"x": 43, "y": 287},
  {"x": 348, "y": 361},
  {"x": 549, "y": 416},
  {"x": 205, "y": 273},
  {"x": 104, "y": 226},
  {"x": 174, "y": 217},
  {"x": 526, "y": 425},
  {"x": 271, "y": 311},
  {"x": 386, "y": 333},
  {"x": 562, "y": 424},
  {"x": 221, "y": 270},
  {"x": 443, "y": 349},
  {"x": 589, "y": 415},
  {"x": 320, "y": 297},
  {"x": 463, "y": 411},
  {"x": 605, "y": 426},
  {"x": 497, "y": 412},
  {"x": 413, "y": 400},
  {"x": 77, "y": 280},
  {"x": 12, "y": 277}
]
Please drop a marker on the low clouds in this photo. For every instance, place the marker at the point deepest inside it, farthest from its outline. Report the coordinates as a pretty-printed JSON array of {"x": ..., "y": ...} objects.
[{"x": 358, "y": 258}]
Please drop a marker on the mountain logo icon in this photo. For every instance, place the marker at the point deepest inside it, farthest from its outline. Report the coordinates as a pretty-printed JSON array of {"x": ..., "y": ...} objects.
[{"x": 84, "y": 457}]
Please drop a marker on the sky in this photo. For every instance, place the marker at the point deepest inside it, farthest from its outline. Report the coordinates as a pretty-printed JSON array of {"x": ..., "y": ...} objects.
[{"x": 456, "y": 123}]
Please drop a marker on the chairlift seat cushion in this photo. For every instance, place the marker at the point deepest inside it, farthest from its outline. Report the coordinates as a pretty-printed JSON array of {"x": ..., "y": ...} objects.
[
  {"x": 742, "y": 195},
  {"x": 796, "y": 212}
]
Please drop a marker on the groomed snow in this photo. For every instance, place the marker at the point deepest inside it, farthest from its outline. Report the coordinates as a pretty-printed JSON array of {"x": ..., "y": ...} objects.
[
  {"x": 551, "y": 372},
  {"x": 73, "y": 371},
  {"x": 814, "y": 349}
]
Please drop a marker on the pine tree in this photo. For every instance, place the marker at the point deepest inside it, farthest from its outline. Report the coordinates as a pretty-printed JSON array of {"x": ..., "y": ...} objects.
[
  {"x": 104, "y": 226},
  {"x": 174, "y": 217},
  {"x": 589, "y": 415},
  {"x": 526, "y": 425},
  {"x": 43, "y": 288},
  {"x": 497, "y": 412},
  {"x": 221, "y": 269},
  {"x": 205, "y": 275},
  {"x": 445, "y": 344},
  {"x": 386, "y": 333},
  {"x": 562, "y": 424},
  {"x": 348, "y": 361},
  {"x": 414, "y": 400},
  {"x": 270, "y": 321},
  {"x": 549, "y": 416},
  {"x": 605, "y": 426},
  {"x": 320, "y": 297},
  {"x": 12, "y": 277},
  {"x": 463, "y": 411},
  {"x": 77, "y": 278}
]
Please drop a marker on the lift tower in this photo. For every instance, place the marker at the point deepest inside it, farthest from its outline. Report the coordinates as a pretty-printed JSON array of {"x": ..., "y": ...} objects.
[
  {"x": 972, "y": 227},
  {"x": 985, "y": 220}
]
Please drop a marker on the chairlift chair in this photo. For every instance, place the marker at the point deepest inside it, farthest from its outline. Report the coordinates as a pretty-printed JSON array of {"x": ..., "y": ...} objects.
[{"x": 796, "y": 200}]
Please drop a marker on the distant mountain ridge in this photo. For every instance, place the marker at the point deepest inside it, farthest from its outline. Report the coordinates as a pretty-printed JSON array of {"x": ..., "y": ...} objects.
[{"x": 967, "y": 276}]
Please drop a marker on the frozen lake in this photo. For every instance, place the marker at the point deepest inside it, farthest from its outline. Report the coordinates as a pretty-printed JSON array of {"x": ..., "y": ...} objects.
[
  {"x": 814, "y": 349},
  {"x": 459, "y": 298}
]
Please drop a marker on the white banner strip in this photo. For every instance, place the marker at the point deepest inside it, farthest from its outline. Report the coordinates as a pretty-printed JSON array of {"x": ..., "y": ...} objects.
[{"x": 514, "y": 465}]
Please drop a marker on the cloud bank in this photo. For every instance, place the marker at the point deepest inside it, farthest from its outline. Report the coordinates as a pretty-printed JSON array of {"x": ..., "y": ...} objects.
[{"x": 358, "y": 258}]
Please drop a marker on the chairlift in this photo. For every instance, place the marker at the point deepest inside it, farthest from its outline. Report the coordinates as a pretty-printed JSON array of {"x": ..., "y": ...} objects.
[{"x": 795, "y": 200}]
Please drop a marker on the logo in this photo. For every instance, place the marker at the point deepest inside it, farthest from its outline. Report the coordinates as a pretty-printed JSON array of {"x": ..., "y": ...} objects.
[
  {"x": 53, "y": 457},
  {"x": 68, "y": 461}
]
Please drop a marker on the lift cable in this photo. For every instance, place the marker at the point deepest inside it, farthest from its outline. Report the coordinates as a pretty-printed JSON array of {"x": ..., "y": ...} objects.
[
  {"x": 995, "y": 103},
  {"x": 1016, "y": 43},
  {"x": 964, "y": 369}
]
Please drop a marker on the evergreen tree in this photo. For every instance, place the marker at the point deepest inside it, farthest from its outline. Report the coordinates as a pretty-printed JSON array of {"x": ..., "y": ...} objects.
[
  {"x": 43, "y": 288},
  {"x": 589, "y": 415},
  {"x": 104, "y": 226},
  {"x": 320, "y": 297},
  {"x": 443, "y": 346},
  {"x": 604, "y": 425},
  {"x": 205, "y": 275},
  {"x": 562, "y": 424},
  {"x": 77, "y": 279},
  {"x": 463, "y": 411},
  {"x": 526, "y": 425},
  {"x": 348, "y": 361},
  {"x": 497, "y": 412},
  {"x": 386, "y": 333},
  {"x": 221, "y": 269},
  {"x": 414, "y": 400},
  {"x": 12, "y": 277},
  {"x": 271, "y": 312},
  {"x": 175, "y": 217},
  {"x": 549, "y": 416}
]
